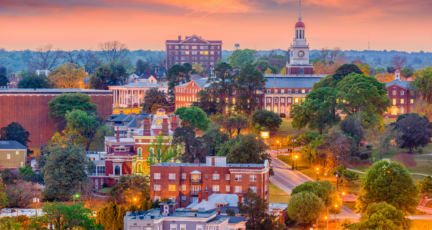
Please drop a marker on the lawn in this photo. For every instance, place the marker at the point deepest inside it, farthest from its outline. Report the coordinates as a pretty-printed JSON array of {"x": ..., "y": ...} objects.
[
  {"x": 104, "y": 190},
  {"x": 277, "y": 195}
]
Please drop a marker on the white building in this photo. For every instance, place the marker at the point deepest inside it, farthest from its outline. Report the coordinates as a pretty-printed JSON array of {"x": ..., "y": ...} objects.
[
  {"x": 132, "y": 94},
  {"x": 42, "y": 71}
]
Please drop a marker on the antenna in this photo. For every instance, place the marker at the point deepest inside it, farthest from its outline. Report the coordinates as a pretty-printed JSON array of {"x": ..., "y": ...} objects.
[{"x": 368, "y": 43}]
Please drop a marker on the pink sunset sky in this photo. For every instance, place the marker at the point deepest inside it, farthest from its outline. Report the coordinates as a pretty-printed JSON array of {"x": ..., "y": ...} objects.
[{"x": 403, "y": 25}]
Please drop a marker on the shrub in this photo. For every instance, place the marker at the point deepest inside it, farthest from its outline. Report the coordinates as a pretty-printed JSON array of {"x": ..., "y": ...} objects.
[
  {"x": 406, "y": 159},
  {"x": 305, "y": 207},
  {"x": 22, "y": 218},
  {"x": 282, "y": 115},
  {"x": 363, "y": 156},
  {"x": 420, "y": 150},
  {"x": 369, "y": 147}
]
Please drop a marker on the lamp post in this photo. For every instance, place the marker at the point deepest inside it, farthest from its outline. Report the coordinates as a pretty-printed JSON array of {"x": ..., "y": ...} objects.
[
  {"x": 337, "y": 175},
  {"x": 277, "y": 148},
  {"x": 36, "y": 201},
  {"x": 75, "y": 196},
  {"x": 317, "y": 174},
  {"x": 296, "y": 163},
  {"x": 293, "y": 141},
  {"x": 320, "y": 218},
  {"x": 135, "y": 199},
  {"x": 335, "y": 211}
]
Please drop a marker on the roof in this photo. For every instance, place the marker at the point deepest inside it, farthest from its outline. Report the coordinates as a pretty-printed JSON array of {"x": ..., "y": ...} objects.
[
  {"x": 203, "y": 164},
  {"x": 214, "y": 199},
  {"x": 145, "y": 76},
  {"x": 200, "y": 82},
  {"x": 139, "y": 84},
  {"x": 300, "y": 25},
  {"x": 195, "y": 172},
  {"x": 234, "y": 219},
  {"x": 397, "y": 71},
  {"x": 218, "y": 219},
  {"x": 195, "y": 77},
  {"x": 9, "y": 144},
  {"x": 291, "y": 82},
  {"x": 403, "y": 84},
  {"x": 155, "y": 214}
]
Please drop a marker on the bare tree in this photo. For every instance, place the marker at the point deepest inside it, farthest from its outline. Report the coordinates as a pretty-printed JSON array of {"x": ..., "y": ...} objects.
[
  {"x": 71, "y": 57},
  {"x": 45, "y": 57},
  {"x": 114, "y": 50},
  {"x": 398, "y": 61},
  {"x": 326, "y": 55},
  {"x": 89, "y": 60},
  {"x": 88, "y": 197}
]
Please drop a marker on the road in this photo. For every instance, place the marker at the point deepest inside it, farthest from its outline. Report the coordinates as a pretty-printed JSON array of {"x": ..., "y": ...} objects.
[{"x": 287, "y": 179}]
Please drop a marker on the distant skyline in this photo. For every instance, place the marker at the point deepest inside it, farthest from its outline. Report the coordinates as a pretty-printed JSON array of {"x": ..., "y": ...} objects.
[{"x": 402, "y": 25}]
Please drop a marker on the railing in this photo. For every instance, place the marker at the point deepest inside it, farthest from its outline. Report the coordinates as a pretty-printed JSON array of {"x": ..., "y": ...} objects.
[
  {"x": 97, "y": 174},
  {"x": 195, "y": 180},
  {"x": 194, "y": 192}
]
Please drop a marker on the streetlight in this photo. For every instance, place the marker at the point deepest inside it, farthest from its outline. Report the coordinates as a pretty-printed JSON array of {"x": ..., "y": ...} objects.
[
  {"x": 317, "y": 174},
  {"x": 321, "y": 218},
  {"x": 293, "y": 145},
  {"x": 75, "y": 196},
  {"x": 335, "y": 211},
  {"x": 296, "y": 162},
  {"x": 277, "y": 149},
  {"x": 134, "y": 200},
  {"x": 36, "y": 200}
]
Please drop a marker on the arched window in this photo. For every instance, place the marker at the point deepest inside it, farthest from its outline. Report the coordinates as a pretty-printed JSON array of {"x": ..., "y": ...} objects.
[
  {"x": 394, "y": 92},
  {"x": 139, "y": 168},
  {"x": 139, "y": 152},
  {"x": 268, "y": 108},
  {"x": 159, "y": 122},
  {"x": 402, "y": 92},
  {"x": 275, "y": 109},
  {"x": 117, "y": 170}
]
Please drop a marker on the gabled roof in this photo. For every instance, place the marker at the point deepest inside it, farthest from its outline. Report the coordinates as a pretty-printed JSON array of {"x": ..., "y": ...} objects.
[
  {"x": 190, "y": 39},
  {"x": 403, "y": 84},
  {"x": 145, "y": 76},
  {"x": 200, "y": 82},
  {"x": 8, "y": 144}
]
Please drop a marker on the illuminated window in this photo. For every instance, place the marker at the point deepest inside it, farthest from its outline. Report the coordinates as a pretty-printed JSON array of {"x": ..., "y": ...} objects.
[
  {"x": 17, "y": 153},
  {"x": 276, "y": 91},
  {"x": 303, "y": 99},
  {"x": 394, "y": 101},
  {"x": 275, "y": 110},
  {"x": 402, "y": 101},
  {"x": 303, "y": 91},
  {"x": 296, "y": 100},
  {"x": 233, "y": 100},
  {"x": 268, "y": 108},
  {"x": 8, "y": 156},
  {"x": 171, "y": 188},
  {"x": 412, "y": 101},
  {"x": 159, "y": 122},
  {"x": 139, "y": 168},
  {"x": 226, "y": 100}
]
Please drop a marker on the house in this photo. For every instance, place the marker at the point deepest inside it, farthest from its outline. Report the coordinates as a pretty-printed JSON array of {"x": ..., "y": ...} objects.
[
  {"x": 12, "y": 154},
  {"x": 133, "y": 94},
  {"x": 168, "y": 218},
  {"x": 148, "y": 77},
  {"x": 401, "y": 96}
]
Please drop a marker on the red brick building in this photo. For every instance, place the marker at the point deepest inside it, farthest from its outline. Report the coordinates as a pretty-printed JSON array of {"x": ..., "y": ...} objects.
[
  {"x": 189, "y": 182},
  {"x": 193, "y": 49},
  {"x": 29, "y": 107},
  {"x": 401, "y": 96}
]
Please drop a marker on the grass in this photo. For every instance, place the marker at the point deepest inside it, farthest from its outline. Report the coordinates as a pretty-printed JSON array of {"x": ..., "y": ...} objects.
[
  {"x": 277, "y": 195},
  {"x": 104, "y": 190}
]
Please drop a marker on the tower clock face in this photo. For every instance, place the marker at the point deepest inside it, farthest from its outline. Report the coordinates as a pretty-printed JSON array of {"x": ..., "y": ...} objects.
[{"x": 301, "y": 53}]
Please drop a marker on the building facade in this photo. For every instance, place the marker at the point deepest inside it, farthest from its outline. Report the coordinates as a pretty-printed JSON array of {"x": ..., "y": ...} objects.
[
  {"x": 17, "y": 104},
  {"x": 132, "y": 94},
  {"x": 193, "y": 49},
  {"x": 401, "y": 96},
  {"x": 185, "y": 183},
  {"x": 12, "y": 155}
]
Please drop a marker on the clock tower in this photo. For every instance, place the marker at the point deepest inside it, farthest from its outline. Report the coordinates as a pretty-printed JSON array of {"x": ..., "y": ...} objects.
[{"x": 299, "y": 51}]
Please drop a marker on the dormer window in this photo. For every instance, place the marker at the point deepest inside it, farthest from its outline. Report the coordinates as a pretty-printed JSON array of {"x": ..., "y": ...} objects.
[{"x": 402, "y": 92}]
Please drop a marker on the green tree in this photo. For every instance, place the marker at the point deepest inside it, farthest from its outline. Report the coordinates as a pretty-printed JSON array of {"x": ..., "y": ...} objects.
[
  {"x": 324, "y": 190},
  {"x": 318, "y": 111},
  {"x": 265, "y": 120},
  {"x": 129, "y": 187},
  {"x": 81, "y": 127},
  {"x": 240, "y": 58},
  {"x": 213, "y": 139},
  {"x": 26, "y": 173},
  {"x": 3, "y": 196},
  {"x": 383, "y": 182},
  {"x": 3, "y": 80},
  {"x": 142, "y": 66},
  {"x": 407, "y": 72},
  {"x": 205, "y": 102},
  {"x": 309, "y": 151},
  {"x": 336, "y": 145},
  {"x": 68, "y": 76},
  {"x": 262, "y": 65},
  {"x": 162, "y": 151},
  {"x": 234, "y": 124},
  {"x": 193, "y": 149},
  {"x": 425, "y": 185},
  {"x": 381, "y": 216},
  {"x": 33, "y": 81},
  {"x": 8, "y": 223},
  {"x": 66, "y": 164},
  {"x": 197, "y": 67},
  {"x": 111, "y": 216},
  {"x": 308, "y": 137},
  {"x": 193, "y": 116},
  {"x": 351, "y": 126},
  {"x": 305, "y": 207},
  {"x": 413, "y": 131},
  {"x": 249, "y": 82},
  {"x": 113, "y": 73},
  {"x": 14, "y": 131},
  {"x": 346, "y": 69},
  {"x": 61, "y": 104},
  {"x": 222, "y": 86},
  {"x": 423, "y": 83},
  {"x": 255, "y": 208},
  {"x": 177, "y": 75},
  {"x": 154, "y": 100}
]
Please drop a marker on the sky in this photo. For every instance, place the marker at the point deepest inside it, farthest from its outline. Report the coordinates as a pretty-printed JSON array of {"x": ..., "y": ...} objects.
[{"x": 403, "y": 25}]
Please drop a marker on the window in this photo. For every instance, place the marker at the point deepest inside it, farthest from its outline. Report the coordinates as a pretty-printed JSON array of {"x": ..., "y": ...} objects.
[
  {"x": 253, "y": 178},
  {"x": 183, "y": 187},
  {"x": 17, "y": 153},
  {"x": 402, "y": 92},
  {"x": 238, "y": 189},
  {"x": 182, "y": 226},
  {"x": 139, "y": 168},
  {"x": 173, "y": 198},
  {"x": 156, "y": 187},
  {"x": 268, "y": 91},
  {"x": 157, "y": 176},
  {"x": 171, "y": 176},
  {"x": 173, "y": 226},
  {"x": 215, "y": 176},
  {"x": 296, "y": 91},
  {"x": 183, "y": 176},
  {"x": 176, "y": 47},
  {"x": 402, "y": 101},
  {"x": 183, "y": 198},
  {"x": 289, "y": 100},
  {"x": 394, "y": 92},
  {"x": 296, "y": 100},
  {"x": 283, "y": 100},
  {"x": 8, "y": 156},
  {"x": 276, "y": 91},
  {"x": 194, "y": 52},
  {"x": 276, "y": 100},
  {"x": 227, "y": 177},
  {"x": 301, "y": 71},
  {"x": 227, "y": 188},
  {"x": 155, "y": 198},
  {"x": 412, "y": 101},
  {"x": 101, "y": 169},
  {"x": 394, "y": 101},
  {"x": 139, "y": 152},
  {"x": 199, "y": 227},
  {"x": 171, "y": 187},
  {"x": 289, "y": 91},
  {"x": 194, "y": 47},
  {"x": 237, "y": 177},
  {"x": 303, "y": 91},
  {"x": 254, "y": 189},
  {"x": 268, "y": 100},
  {"x": 215, "y": 188},
  {"x": 117, "y": 170},
  {"x": 212, "y": 52}
]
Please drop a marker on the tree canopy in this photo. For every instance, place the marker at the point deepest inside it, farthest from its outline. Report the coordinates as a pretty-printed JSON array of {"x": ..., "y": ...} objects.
[
  {"x": 81, "y": 127},
  {"x": 194, "y": 116},
  {"x": 113, "y": 73},
  {"x": 14, "y": 131},
  {"x": 265, "y": 120},
  {"x": 305, "y": 207},
  {"x": 111, "y": 216},
  {"x": 423, "y": 83},
  {"x": 413, "y": 131},
  {"x": 250, "y": 81},
  {"x": 34, "y": 81},
  {"x": 59, "y": 105},
  {"x": 222, "y": 86},
  {"x": 177, "y": 74},
  {"x": 193, "y": 150},
  {"x": 154, "y": 100},
  {"x": 240, "y": 58},
  {"x": 68, "y": 76}
]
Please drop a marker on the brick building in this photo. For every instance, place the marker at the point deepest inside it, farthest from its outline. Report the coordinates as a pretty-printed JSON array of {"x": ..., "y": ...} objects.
[
  {"x": 401, "y": 96},
  {"x": 193, "y": 49},
  {"x": 186, "y": 183},
  {"x": 29, "y": 107}
]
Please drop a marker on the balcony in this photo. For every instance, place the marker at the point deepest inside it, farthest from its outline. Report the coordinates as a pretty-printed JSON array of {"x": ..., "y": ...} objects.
[
  {"x": 194, "y": 193},
  {"x": 196, "y": 180}
]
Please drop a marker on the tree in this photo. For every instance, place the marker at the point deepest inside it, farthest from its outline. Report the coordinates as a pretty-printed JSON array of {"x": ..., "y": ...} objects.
[
  {"x": 26, "y": 173},
  {"x": 111, "y": 216},
  {"x": 324, "y": 190},
  {"x": 327, "y": 55},
  {"x": 66, "y": 164},
  {"x": 309, "y": 150},
  {"x": 255, "y": 208},
  {"x": 213, "y": 139},
  {"x": 425, "y": 185},
  {"x": 81, "y": 127},
  {"x": 423, "y": 83},
  {"x": 89, "y": 60},
  {"x": 193, "y": 150},
  {"x": 68, "y": 76},
  {"x": 345, "y": 70},
  {"x": 268, "y": 71},
  {"x": 154, "y": 100},
  {"x": 383, "y": 182},
  {"x": 129, "y": 187},
  {"x": 240, "y": 58},
  {"x": 308, "y": 137},
  {"x": 193, "y": 116},
  {"x": 413, "y": 131},
  {"x": 142, "y": 66},
  {"x": 45, "y": 58},
  {"x": 249, "y": 82},
  {"x": 113, "y": 50},
  {"x": 222, "y": 86},
  {"x": 3, "y": 196},
  {"x": 14, "y": 131},
  {"x": 197, "y": 67},
  {"x": 8, "y": 223},
  {"x": 235, "y": 124},
  {"x": 305, "y": 207},
  {"x": 385, "y": 77},
  {"x": 20, "y": 194},
  {"x": 265, "y": 120},
  {"x": 159, "y": 151},
  {"x": 205, "y": 102},
  {"x": 318, "y": 111},
  {"x": 398, "y": 61},
  {"x": 334, "y": 146},
  {"x": 381, "y": 216},
  {"x": 3, "y": 80},
  {"x": 177, "y": 75},
  {"x": 114, "y": 73},
  {"x": 351, "y": 126},
  {"x": 34, "y": 81},
  {"x": 61, "y": 104},
  {"x": 407, "y": 72}
]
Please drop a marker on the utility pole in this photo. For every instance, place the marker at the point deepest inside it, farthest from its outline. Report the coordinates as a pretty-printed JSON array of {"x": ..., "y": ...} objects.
[{"x": 337, "y": 175}]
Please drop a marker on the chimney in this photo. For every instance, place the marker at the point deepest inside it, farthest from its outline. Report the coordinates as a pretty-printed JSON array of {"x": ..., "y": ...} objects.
[
  {"x": 174, "y": 123},
  {"x": 179, "y": 38},
  {"x": 240, "y": 199},
  {"x": 206, "y": 196},
  {"x": 165, "y": 129},
  {"x": 199, "y": 197},
  {"x": 146, "y": 127},
  {"x": 196, "y": 161},
  {"x": 136, "y": 82},
  {"x": 118, "y": 135},
  {"x": 138, "y": 125},
  {"x": 218, "y": 209}
]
